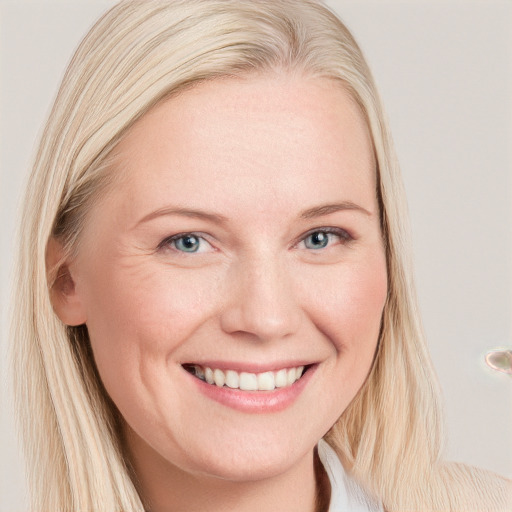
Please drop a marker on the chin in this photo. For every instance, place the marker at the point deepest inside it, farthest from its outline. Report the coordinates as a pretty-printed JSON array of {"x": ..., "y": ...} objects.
[{"x": 251, "y": 465}]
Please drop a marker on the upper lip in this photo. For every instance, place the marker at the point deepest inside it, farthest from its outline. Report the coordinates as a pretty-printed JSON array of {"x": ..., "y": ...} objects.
[{"x": 250, "y": 367}]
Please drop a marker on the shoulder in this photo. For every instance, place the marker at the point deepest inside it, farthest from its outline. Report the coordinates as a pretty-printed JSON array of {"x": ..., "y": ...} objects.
[
  {"x": 471, "y": 489},
  {"x": 454, "y": 487}
]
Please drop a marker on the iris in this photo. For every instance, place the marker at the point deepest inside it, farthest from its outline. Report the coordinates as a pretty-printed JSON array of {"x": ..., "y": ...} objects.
[
  {"x": 317, "y": 240},
  {"x": 187, "y": 243}
]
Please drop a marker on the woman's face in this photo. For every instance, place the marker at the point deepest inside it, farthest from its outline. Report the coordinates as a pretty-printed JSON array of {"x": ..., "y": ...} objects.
[{"x": 242, "y": 240}]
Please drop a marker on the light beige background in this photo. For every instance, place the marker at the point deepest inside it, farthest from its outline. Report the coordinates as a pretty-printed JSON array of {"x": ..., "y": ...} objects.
[{"x": 444, "y": 69}]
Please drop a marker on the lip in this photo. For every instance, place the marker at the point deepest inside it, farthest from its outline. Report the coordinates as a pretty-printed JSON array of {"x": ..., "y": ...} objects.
[
  {"x": 249, "y": 367},
  {"x": 254, "y": 401}
]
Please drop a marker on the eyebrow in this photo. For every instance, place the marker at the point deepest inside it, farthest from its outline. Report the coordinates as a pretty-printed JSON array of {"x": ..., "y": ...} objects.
[
  {"x": 185, "y": 212},
  {"x": 310, "y": 213},
  {"x": 320, "y": 211}
]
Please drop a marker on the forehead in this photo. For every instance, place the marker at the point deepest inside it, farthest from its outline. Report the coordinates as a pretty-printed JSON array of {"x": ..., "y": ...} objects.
[
  {"x": 258, "y": 135},
  {"x": 256, "y": 100}
]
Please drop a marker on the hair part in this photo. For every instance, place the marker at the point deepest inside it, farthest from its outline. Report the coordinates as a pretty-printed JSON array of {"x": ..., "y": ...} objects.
[{"x": 137, "y": 54}]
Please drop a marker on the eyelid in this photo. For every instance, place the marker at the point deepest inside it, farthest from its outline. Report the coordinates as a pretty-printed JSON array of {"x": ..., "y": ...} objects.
[
  {"x": 166, "y": 242},
  {"x": 344, "y": 235}
]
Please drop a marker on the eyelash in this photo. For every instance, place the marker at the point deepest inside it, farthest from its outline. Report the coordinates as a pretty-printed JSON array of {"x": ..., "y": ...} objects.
[
  {"x": 343, "y": 235},
  {"x": 169, "y": 241}
]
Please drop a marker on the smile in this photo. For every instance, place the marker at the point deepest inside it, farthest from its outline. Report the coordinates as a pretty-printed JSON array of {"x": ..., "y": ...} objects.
[{"x": 246, "y": 381}]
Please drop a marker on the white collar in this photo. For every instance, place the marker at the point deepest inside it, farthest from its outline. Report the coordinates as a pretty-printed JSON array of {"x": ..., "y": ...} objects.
[{"x": 346, "y": 494}]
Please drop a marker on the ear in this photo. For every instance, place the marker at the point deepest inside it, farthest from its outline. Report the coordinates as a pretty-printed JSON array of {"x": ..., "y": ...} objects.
[{"x": 66, "y": 301}]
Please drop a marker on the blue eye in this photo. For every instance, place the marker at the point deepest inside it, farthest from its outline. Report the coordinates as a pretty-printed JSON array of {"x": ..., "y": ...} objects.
[
  {"x": 322, "y": 238},
  {"x": 189, "y": 243},
  {"x": 317, "y": 240}
]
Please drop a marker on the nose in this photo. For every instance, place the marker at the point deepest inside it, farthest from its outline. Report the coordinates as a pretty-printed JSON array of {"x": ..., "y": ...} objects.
[{"x": 261, "y": 303}]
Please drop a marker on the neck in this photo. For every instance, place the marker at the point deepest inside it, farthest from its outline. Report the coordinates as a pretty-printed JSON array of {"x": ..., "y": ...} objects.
[{"x": 166, "y": 488}]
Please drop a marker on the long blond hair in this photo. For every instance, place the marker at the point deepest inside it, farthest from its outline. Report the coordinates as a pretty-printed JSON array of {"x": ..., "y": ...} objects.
[{"x": 138, "y": 53}]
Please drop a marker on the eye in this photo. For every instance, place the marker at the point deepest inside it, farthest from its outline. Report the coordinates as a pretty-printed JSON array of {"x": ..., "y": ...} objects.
[
  {"x": 317, "y": 240},
  {"x": 187, "y": 243},
  {"x": 322, "y": 238}
]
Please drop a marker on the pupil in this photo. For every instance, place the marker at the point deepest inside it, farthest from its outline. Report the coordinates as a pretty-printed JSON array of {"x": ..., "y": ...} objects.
[
  {"x": 188, "y": 243},
  {"x": 319, "y": 239}
]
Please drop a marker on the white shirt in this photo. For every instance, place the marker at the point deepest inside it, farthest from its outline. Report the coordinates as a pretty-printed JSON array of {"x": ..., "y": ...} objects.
[{"x": 346, "y": 494}]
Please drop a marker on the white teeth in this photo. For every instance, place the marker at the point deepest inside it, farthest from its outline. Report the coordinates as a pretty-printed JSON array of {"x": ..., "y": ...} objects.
[
  {"x": 219, "y": 378},
  {"x": 208, "y": 375},
  {"x": 248, "y": 381},
  {"x": 232, "y": 379},
  {"x": 265, "y": 381},
  {"x": 281, "y": 380}
]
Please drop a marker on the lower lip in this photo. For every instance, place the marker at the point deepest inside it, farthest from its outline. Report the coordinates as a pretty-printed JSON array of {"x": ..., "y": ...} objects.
[{"x": 255, "y": 401}]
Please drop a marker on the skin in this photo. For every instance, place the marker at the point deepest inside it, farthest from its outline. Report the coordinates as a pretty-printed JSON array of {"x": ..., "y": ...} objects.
[{"x": 258, "y": 153}]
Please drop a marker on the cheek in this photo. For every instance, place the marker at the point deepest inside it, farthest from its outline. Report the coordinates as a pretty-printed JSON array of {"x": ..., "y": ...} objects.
[
  {"x": 137, "y": 316},
  {"x": 147, "y": 299},
  {"x": 346, "y": 304},
  {"x": 347, "y": 310}
]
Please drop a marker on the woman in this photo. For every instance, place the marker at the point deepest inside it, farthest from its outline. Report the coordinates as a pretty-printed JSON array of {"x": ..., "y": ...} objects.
[{"x": 214, "y": 275}]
